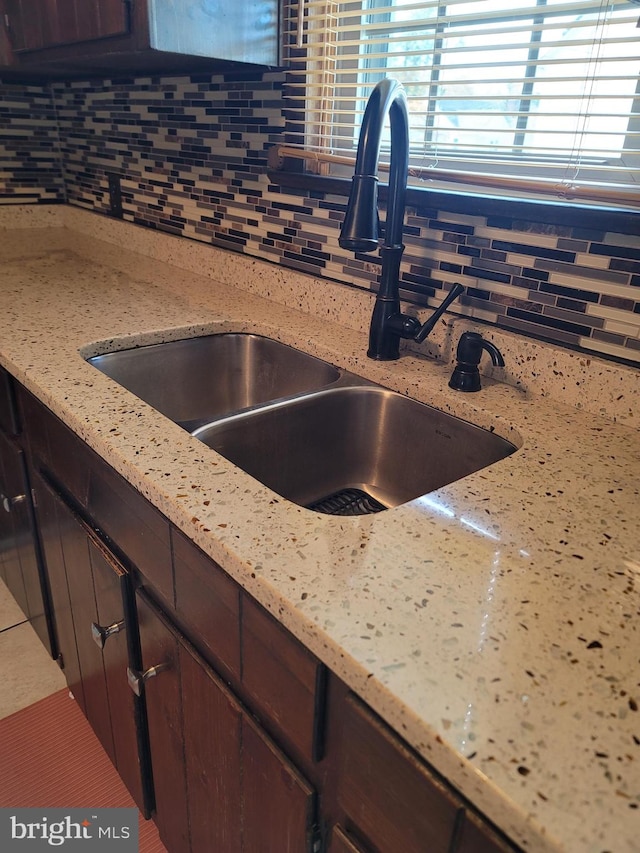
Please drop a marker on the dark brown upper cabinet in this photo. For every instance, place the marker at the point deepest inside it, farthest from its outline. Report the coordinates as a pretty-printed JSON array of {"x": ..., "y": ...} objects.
[{"x": 66, "y": 39}]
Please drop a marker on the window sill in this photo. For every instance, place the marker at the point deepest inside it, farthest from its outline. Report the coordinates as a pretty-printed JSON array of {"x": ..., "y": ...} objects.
[{"x": 574, "y": 215}]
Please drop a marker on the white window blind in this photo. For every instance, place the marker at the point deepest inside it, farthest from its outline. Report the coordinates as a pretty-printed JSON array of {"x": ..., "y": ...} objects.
[{"x": 537, "y": 95}]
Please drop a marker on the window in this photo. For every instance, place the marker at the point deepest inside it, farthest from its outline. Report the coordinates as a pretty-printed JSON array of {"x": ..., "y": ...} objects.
[{"x": 541, "y": 95}]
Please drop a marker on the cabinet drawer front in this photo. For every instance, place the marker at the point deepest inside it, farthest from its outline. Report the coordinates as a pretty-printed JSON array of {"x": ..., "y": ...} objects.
[
  {"x": 54, "y": 447},
  {"x": 208, "y": 604},
  {"x": 285, "y": 680},
  {"x": 139, "y": 530},
  {"x": 386, "y": 794}
]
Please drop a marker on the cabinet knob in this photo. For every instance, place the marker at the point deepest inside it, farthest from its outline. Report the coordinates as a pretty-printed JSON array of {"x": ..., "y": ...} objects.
[
  {"x": 101, "y": 634},
  {"x": 9, "y": 503},
  {"x": 137, "y": 679}
]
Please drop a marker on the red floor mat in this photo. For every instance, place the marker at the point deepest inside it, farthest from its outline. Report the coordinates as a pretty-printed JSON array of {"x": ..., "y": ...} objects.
[{"x": 50, "y": 757}]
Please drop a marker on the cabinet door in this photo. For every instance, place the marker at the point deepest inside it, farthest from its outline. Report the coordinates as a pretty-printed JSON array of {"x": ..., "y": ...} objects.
[
  {"x": 39, "y": 24},
  {"x": 244, "y": 794},
  {"x": 22, "y": 572},
  {"x": 278, "y": 804},
  {"x": 96, "y": 633},
  {"x": 51, "y": 521},
  {"x": 75, "y": 549},
  {"x": 9, "y": 545},
  {"x": 160, "y": 654},
  {"x": 113, "y": 604},
  {"x": 212, "y": 722}
]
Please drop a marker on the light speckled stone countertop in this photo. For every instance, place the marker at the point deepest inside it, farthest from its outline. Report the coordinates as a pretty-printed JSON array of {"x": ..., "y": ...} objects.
[{"x": 494, "y": 623}]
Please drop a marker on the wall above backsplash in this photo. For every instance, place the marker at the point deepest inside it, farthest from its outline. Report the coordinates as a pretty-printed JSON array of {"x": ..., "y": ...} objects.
[{"x": 191, "y": 153}]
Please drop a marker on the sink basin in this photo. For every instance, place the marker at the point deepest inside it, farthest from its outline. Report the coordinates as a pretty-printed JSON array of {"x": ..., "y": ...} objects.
[
  {"x": 353, "y": 450},
  {"x": 196, "y": 380}
]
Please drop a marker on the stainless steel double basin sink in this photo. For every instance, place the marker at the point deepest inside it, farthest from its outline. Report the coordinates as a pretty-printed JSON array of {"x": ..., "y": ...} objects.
[{"x": 317, "y": 435}]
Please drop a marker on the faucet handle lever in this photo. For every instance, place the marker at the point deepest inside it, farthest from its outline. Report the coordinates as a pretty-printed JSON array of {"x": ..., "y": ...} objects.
[{"x": 426, "y": 328}]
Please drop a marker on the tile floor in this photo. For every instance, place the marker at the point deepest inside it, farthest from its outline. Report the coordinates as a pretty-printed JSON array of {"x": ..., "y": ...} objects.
[{"x": 27, "y": 672}]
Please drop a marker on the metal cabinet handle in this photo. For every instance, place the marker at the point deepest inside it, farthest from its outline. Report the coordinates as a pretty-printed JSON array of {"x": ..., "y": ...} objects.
[
  {"x": 9, "y": 503},
  {"x": 137, "y": 679},
  {"x": 101, "y": 634}
]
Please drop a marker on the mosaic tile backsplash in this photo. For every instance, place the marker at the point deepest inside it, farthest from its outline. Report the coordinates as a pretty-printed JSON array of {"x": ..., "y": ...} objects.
[
  {"x": 191, "y": 154},
  {"x": 30, "y": 166}
]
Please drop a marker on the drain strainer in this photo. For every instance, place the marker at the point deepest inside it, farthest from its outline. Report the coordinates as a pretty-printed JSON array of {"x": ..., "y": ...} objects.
[{"x": 347, "y": 502}]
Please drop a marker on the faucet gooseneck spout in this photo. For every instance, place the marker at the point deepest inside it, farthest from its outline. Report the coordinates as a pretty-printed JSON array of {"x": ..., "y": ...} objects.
[{"x": 360, "y": 227}]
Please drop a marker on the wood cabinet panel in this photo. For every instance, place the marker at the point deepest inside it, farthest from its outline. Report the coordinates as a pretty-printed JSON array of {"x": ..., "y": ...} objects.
[
  {"x": 208, "y": 602},
  {"x": 278, "y": 803},
  {"x": 98, "y": 19},
  {"x": 476, "y": 836},
  {"x": 212, "y": 744},
  {"x": 138, "y": 531},
  {"x": 41, "y": 24},
  {"x": 20, "y": 559},
  {"x": 387, "y": 794},
  {"x": 135, "y": 527},
  {"x": 54, "y": 447},
  {"x": 341, "y": 844},
  {"x": 75, "y": 548},
  {"x": 285, "y": 680},
  {"x": 244, "y": 795},
  {"x": 8, "y": 413},
  {"x": 71, "y": 38},
  {"x": 164, "y": 713},
  {"x": 112, "y": 591},
  {"x": 9, "y": 543},
  {"x": 51, "y": 523}
]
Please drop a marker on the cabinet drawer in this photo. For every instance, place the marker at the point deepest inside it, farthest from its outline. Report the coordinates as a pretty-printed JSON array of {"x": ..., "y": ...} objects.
[
  {"x": 55, "y": 447},
  {"x": 386, "y": 795},
  {"x": 140, "y": 531},
  {"x": 286, "y": 681},
  {"x": 207, "y": 605}
]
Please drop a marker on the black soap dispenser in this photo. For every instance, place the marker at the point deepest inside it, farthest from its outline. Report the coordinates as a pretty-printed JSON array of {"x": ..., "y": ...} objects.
[{"x": 466, "y": 376}]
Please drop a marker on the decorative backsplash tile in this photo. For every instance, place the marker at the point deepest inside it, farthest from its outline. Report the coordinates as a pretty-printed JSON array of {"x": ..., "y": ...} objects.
[
  {"x": 191, "y": 154},
  {"x": 30, "y": 166}
]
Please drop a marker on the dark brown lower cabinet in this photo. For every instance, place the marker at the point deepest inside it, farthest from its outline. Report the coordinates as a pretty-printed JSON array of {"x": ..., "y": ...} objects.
[
  {"x": 244, "y": 795},
  {"x": 96, "y": 633},
  {"x": 388, "y": 797},
  {"x": 389, "y": 800},
  {"x": 19, "y": 559}
]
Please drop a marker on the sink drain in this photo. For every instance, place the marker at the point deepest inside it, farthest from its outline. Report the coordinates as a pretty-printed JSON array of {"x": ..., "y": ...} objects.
[{"x": 347, "y": 502}]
